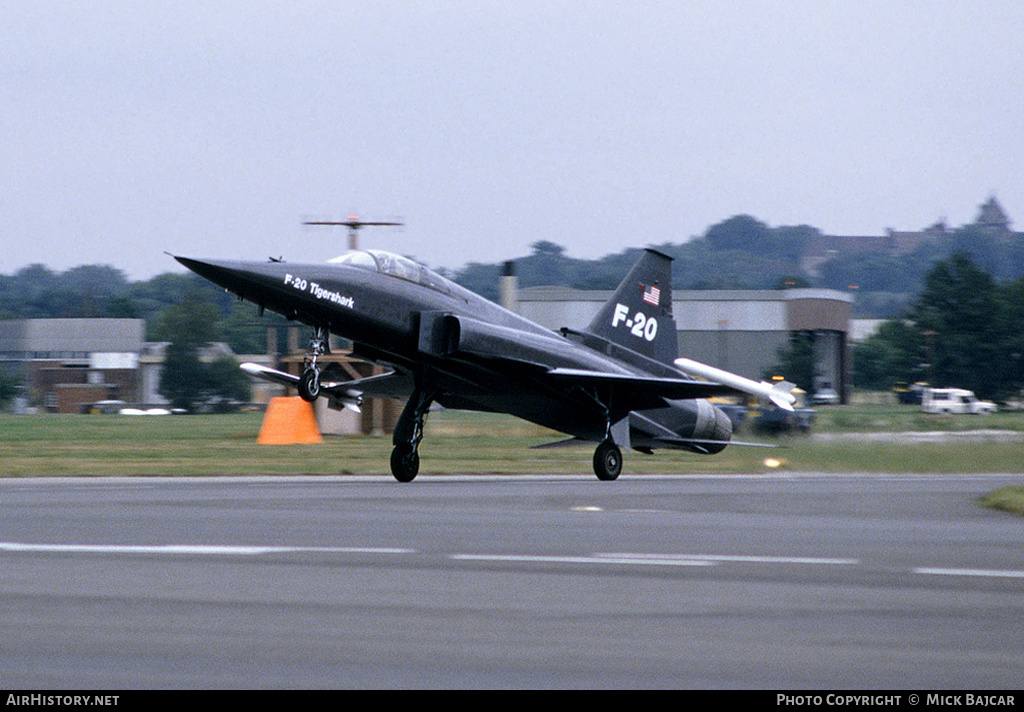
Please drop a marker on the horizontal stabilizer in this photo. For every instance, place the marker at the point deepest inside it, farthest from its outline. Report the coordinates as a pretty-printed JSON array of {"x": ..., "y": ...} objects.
[
  {"x": 687, "y": 442},
  {"x": 643, "y": 392},
  {"x": 570, "y": 442}
]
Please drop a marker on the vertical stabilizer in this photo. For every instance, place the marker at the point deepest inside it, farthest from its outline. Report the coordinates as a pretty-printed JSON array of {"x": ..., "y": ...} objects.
[{"x": 639, "y": 314}]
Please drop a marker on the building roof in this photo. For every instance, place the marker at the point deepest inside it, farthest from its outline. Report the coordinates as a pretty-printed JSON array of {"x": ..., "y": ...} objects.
[
  {"x": 31, "y": 338},
  {"x": 991, "y": 215},
  {"x": 703, "y": 310}
]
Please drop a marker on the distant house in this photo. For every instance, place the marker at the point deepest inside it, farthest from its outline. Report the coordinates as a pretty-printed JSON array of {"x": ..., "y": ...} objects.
[
  {"x": 895, "y": 243},
  {"x": 991, "y": 216},
  {"x": 71, "y": 364}
]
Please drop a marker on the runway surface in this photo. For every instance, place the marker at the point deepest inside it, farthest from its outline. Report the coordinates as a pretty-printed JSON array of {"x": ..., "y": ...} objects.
[{"x": 753, "y": 582}]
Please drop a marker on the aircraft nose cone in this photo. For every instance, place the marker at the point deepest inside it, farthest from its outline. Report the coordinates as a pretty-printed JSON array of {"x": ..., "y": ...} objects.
[
  {"x": 203, "y": 266},
  {"x": 197, "y": 266},
  {"x": 233, "y": 276},
  {"x": 187, "y": 261}
]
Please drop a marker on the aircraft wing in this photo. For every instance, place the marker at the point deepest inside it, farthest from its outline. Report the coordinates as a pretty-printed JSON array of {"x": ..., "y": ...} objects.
[
  {"x": 384, "y": 385},
  {"x": 269, "y": 374},
  {"x": 347, "y": 393},
  {"x": 642, "y": 392}
]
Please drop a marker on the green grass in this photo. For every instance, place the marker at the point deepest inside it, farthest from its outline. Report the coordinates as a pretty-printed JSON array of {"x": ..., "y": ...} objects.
[
  {"x": 459, "y": 442},
  {"x": 1008, "y": 499},
  {"x": 893, "y": 418}
]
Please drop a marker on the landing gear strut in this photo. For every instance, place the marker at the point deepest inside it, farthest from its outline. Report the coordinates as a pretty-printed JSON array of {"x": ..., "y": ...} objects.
[
  {"x": 405, "y": 458},
  {"x": 309, "y": 383}
]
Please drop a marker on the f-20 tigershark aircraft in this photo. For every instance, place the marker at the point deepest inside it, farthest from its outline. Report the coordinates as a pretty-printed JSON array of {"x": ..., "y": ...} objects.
[{"x": 614, "y": 383}]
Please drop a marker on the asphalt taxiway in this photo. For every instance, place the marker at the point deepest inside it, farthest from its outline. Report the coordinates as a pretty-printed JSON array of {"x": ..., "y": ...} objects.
[{"x": 761, "y": 581}]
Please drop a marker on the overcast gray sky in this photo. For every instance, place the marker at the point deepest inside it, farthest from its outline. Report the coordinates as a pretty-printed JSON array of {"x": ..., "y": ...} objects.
[{"x": 213, "y": 129}]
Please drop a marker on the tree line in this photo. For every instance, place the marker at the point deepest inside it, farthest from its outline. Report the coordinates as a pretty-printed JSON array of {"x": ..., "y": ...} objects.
[
  {"x": 743, "y": 252},
  {"x": 928, "y": 338},
  {"x": 740, "y": 252},
  {"x": 102, "y": 291},
  {"x": 965, "y": 329}
]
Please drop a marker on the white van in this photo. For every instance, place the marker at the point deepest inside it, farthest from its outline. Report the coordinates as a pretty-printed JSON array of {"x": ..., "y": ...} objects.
[{"x": 954, "y": 400}]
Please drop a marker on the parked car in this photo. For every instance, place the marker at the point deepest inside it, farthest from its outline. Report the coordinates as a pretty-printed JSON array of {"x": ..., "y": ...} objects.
[
  {"x": 954, "y": 400},
  {"x": 825, "y": 396}
]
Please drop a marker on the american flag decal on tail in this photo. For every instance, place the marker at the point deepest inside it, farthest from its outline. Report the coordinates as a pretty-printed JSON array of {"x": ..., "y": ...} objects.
[{"x": 652, "y": 295}]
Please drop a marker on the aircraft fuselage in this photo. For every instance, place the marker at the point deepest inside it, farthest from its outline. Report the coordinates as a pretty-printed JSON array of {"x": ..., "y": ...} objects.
[{"x": 463, "y": 351}]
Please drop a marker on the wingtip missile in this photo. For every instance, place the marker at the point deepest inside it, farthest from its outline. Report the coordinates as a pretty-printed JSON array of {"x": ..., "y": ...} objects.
[
  {"x": 777, "y": 394},
  {"x": 781, "y": 398}
]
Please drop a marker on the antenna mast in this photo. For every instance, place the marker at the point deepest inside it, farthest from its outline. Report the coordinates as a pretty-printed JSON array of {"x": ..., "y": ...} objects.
[{"x": 353, "y": 224}]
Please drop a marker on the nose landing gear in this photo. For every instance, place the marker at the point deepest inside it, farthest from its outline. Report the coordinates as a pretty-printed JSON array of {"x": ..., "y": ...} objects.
[{"x": 309, "y": 384}]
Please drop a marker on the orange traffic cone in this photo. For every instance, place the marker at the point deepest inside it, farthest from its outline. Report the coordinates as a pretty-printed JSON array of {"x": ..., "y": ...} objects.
[{"x": 289, "y": 421}]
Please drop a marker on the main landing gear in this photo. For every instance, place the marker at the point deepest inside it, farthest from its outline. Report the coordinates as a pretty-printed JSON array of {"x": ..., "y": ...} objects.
[
  {"x": 608, "y": 456},
  {"x": 405, "y": 458},
  {"x": 607, "y": 460},
  {"x": 309, "y": 382}
]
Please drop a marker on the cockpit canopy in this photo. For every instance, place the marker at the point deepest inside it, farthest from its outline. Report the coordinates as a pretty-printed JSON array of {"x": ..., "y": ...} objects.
[{"x": 395, "y": 266}]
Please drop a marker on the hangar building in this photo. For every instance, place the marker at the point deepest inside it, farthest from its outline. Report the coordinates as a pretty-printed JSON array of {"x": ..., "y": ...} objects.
[{"x": 72, "y": 362}]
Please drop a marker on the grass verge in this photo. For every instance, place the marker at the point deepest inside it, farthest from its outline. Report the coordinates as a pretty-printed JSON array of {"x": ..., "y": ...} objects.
[
  {"x": 459, "y": 442},
  {"x": 1007, "y": 499}
]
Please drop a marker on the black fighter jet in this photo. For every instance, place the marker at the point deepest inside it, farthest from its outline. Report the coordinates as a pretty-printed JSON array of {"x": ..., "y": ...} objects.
[{"x": 615, "y": 383}]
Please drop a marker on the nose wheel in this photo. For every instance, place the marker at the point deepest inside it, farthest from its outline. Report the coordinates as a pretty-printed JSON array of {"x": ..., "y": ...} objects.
[{"x": 309, "y": 383}]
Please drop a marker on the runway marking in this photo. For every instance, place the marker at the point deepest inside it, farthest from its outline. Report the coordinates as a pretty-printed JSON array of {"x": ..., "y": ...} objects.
[
  {"x": 716, "y": 558},
  {"x": 599, "y": 559},
  {"x": 604, "y": 558},
  {"x": 191, "y": 549},
  {"x": 655, "y": 559},
  {"x": 994, "y": 573}
]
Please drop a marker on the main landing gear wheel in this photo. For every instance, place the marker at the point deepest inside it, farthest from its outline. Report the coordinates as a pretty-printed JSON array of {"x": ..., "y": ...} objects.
[
  {"x": 607, "y": 461},
  {"x": 405, "y": 463},
  {"x": 405, "y": 458},
  {"x": 309, "y": 385}
]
